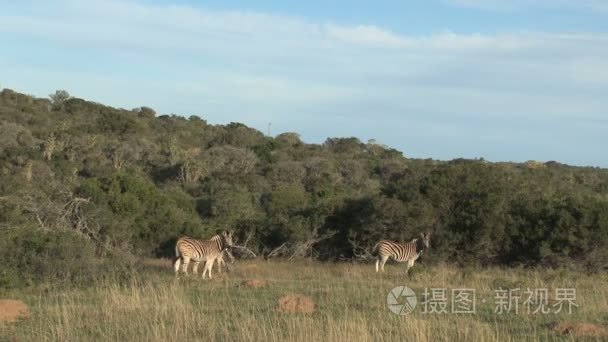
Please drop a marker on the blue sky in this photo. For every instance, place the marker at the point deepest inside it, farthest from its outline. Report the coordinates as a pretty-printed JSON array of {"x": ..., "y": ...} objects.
[{"x": 504, "y": 80}]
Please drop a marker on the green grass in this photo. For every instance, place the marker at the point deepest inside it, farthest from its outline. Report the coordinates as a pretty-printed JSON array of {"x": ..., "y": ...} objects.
[{"x": 350, "y": 305}]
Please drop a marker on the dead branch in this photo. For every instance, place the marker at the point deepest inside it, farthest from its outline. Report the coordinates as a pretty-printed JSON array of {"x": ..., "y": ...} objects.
[
  {"x": 248, "y": 237},
  {"x": 246, "y": 249},
  {"x": 360, "y": 252},
  {"x": 275, "y": 251},
  {"x": 65, "y": 212},
  {"x": 301, "y": 249}
]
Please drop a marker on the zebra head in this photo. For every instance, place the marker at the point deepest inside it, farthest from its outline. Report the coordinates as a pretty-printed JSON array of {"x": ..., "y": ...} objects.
[
  {"x": 426, "y": 239},
  {"x": 227, "y": 239}
]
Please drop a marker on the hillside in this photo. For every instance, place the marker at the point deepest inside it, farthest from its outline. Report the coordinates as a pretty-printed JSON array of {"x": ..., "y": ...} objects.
[{"x": 82, "y": 181}]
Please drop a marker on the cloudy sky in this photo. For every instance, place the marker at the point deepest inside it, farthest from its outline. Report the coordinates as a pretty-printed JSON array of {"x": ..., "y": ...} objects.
[{"x": 505, "y": 80}]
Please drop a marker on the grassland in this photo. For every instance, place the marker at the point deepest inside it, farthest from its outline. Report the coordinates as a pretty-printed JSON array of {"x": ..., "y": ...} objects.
[{"x": 350, "y": 306}]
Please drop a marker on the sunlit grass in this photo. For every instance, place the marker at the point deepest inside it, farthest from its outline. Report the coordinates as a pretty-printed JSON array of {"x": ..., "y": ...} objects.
[{"x": 350, "y": 305}]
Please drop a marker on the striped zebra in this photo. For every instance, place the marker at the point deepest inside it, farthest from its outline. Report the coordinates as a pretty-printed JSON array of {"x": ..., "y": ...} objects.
[
  {"x": 221, "y": 261},
  {"x": 188, "y": 248},
  {"x": 400, "y": 252}
]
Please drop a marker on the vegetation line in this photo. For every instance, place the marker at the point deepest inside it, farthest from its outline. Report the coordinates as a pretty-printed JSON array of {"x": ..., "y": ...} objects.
[{"x": 87, "y": 189}]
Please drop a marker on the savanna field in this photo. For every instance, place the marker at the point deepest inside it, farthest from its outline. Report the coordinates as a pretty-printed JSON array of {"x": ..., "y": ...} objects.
[{"x": 350, "y": 304}]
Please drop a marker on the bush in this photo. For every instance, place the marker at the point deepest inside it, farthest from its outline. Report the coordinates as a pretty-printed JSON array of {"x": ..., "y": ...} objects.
[
  {"x": 31, "y": 255},
  {"x": 144, "y": 216}
]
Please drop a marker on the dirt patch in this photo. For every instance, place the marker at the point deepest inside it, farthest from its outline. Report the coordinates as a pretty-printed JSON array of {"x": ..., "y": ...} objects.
[
  {"x": 13, "y": 310},
  {"x": 296, "y": 303},
  {"x": 579, "y": 329},
  {"x": 254, "y": 283}
]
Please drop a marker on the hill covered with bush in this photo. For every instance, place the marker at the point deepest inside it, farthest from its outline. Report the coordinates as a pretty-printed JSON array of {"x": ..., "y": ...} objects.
[{"x": 84, "y": 185}]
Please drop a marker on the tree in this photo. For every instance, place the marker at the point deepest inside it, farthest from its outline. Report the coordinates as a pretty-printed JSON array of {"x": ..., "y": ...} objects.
[
  {"x": 59, "y": 97},
  {"x": 289, "y": 138}
]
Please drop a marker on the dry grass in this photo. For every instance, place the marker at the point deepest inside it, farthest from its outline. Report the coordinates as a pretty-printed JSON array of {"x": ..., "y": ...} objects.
[
  {"x": 579, "y": 329},
  {"x": 350, "y": 305},
  {"x": 294, "y": 303},
  {"x": 254, "y": 283}
]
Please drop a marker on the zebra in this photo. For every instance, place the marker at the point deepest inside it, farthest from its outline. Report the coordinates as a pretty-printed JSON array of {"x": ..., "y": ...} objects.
[
  {"x": 188, "y": 248},
  {"x": 400, "y": 252},
  {"x": 221, "y": 261}
]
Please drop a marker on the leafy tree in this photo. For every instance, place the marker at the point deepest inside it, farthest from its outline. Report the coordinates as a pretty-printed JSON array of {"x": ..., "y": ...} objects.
[{"x": 59, "y": 97}]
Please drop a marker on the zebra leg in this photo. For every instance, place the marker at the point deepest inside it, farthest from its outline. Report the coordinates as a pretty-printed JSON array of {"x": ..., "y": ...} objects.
[
  {"x": 220, "y": 261},
  {"x": 377, "y": 262},
  {"x": 206, "y": 268},
  {"x": 210, "y": 263},
  {"x": 384, "y": 259},
  {"x": 185, "y": 265},
  {"x": 410, "y": 263},
  {"x": 195, "y": 267},
  {"x": 176, "y": 265}
]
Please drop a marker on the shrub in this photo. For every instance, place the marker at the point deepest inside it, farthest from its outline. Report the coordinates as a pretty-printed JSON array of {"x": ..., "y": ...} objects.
[{"x": 31, "y": 255}]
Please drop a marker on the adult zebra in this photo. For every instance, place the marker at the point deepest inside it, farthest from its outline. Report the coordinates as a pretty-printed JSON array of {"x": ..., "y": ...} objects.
[
  {"x": 188, "y": 248},
  {"x": 400, "y": 252}
]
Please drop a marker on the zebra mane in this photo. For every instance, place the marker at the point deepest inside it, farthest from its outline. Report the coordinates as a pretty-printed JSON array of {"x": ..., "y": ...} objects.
[
  {"x": 220, "y": 241},
  {"x": 216, "y": 238}
]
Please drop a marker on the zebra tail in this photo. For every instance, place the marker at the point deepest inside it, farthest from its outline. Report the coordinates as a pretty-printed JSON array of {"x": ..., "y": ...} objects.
[{"x": 177, "y": 256}]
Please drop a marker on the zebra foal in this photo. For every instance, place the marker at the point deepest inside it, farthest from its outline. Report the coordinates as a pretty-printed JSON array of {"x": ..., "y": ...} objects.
[
  {"x": 400, "y": 252},
  {"x": 221, "y": 260},
  {"x": 188, "y": 248}
]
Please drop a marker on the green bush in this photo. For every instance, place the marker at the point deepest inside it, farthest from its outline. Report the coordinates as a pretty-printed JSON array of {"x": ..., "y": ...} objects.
[
  {"x": 31, "y": 255},
  {"x": 145, "y": 216}
]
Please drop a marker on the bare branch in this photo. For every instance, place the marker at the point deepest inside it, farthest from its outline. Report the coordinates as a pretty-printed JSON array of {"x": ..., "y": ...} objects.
[
  {"x": 360, "y": 252},
  {"x": 246, "y": 249},
  {"x": 248, "y": 237},
  {"x": 276, "y": 250}
]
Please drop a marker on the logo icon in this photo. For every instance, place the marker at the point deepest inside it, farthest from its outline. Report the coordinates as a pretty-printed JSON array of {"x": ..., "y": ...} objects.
[{"x": 401, "y": 300}]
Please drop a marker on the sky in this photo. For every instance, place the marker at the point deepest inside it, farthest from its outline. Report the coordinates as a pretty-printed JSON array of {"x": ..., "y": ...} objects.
[{"x": 501, "y": 80}]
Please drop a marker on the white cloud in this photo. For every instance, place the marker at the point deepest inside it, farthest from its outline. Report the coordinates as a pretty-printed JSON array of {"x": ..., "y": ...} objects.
[
  {"x": 278, "y": 51},
  {"x": 589, "y": 70},
  {"x": 125, "y": 24},
  {"x": 476, "y": 41},
  {"x": 502, "y": 5},
  {"x": 256, "y": 68},
  {"x": 367, "y": 35}
]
